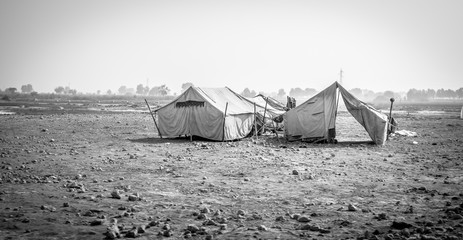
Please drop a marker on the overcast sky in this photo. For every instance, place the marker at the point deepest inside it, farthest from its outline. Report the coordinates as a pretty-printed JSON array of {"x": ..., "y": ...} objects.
[{"x": 265, "y": 45}]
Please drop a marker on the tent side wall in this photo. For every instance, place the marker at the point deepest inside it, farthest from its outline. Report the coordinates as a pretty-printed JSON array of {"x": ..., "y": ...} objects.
[
  {"x": 313, "y": 118},
  {"x": 191, "y": 114},
  {"x": 374, "y": 122},
  {"x": 196, "y": 112},
  {"x": 238, "y": 126}
]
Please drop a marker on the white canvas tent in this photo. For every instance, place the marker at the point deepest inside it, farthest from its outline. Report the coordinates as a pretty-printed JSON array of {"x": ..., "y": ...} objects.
[
  {"x": 213, "y": 113},
  {"x": 315, "y": 118}
]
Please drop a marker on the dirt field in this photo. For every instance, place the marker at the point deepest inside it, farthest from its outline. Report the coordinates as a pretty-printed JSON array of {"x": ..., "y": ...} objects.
[{"x": 67, "y": 174}]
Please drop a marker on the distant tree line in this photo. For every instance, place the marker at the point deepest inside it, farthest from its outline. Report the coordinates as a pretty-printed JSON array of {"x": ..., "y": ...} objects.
[
  {"x": 65, "y": 90},
  {"x": 431, "y": 94},
  {"x": 162, "y": 90},
  {"x": 363, "y": 94}
]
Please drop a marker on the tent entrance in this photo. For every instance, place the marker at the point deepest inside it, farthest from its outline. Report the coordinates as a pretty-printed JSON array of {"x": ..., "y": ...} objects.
[{"x": 348, "y": 129}]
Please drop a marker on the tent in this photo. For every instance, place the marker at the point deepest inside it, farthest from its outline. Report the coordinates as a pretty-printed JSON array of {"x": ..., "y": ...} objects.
[
  {"x": 314, "y": 120},
  {"x": 272, "y": 109},
  {"x": 213, "y": 113},
  {"x": 272, "y": 104}
]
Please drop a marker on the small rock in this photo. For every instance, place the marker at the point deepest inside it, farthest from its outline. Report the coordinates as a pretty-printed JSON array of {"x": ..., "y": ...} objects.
[
  {"x": 280, "y": 219},
  {"x": 97, "y": 222},
  {"x": 304, "y": 219},
  {"x": 112, "y": 232},
  {"x": 241, "y": 212},
  {"x": 222, "y": 226},
  {"x": 309, "y": 227},
  {"x": 167, "y": 233},
  {"x": 205, "y": 210},
  {"x": 116, "y": 194},
  {"x": 133, "y": 233},
  {"x": 262, "y": 228},
  {"x": 352, "y": 208},
  {"x": 381, "y": 216},
  {"x": 192, "y": 228},
  {"x": 141, "y": 228},
  {"x": 209, "y": 223},
  {"x": 400, "y": 225},
  {"x": 49, "y": 208},
  {"x": 295, "y": 172},
  {"x": 134, "y": 197}
]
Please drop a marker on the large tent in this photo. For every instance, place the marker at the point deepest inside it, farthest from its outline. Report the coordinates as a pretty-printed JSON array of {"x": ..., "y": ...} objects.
[
  {"x": 213, "y": 113},
  {"x": 315, "y": 119}
]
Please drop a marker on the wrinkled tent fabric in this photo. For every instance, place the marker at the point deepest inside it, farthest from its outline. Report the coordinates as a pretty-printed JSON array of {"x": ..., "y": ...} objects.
[
  {"x": 316, "y": 117},
  {"x": 374, "y": 122},
  {"x": 201, "y": 112},
  {"x": 313, "y": 118},
  {"x": 271, "y": 108},
  {"x": 273, "y": 103}
]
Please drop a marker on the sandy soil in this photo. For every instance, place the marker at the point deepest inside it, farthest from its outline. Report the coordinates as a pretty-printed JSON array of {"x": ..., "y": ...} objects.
[{"x": 62, "y": 174}]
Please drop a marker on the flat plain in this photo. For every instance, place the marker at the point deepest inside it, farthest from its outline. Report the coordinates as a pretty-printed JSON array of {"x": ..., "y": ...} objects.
[{"x": 94, "y": 171}]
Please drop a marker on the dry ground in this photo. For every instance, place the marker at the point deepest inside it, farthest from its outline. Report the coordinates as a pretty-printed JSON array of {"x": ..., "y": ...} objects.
[{"x": 59, "y": 172}]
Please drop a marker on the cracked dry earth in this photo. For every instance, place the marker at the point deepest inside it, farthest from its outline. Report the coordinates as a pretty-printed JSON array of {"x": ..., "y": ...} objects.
[{"x": 108, "y": 175}]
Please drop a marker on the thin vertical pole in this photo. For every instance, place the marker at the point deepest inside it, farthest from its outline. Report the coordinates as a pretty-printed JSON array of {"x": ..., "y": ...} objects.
[
  {"x": 255, "y": 121},
  {"x": 265, "y": 111},
  {"x": 154, "y": 119}
]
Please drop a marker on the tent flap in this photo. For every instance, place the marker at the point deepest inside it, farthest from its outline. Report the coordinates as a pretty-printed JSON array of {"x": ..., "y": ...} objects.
[{"x": 316, "y": 117}]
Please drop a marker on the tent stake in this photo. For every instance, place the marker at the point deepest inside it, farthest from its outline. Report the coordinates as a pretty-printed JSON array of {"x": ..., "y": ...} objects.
[
  {"x": 154, "y": 119},
  {"x": 224, "y": 118}
]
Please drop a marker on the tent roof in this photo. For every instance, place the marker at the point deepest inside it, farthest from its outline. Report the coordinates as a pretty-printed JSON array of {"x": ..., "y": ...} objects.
[
  {"x": 218, "y": 97},
  {"x": 272, "y": 104}
]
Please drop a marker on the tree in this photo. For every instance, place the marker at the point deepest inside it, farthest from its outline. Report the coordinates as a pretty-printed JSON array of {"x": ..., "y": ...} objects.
[
  {"x": 109, "y": 92},
  {"x": 248, "y": 93},
  {"x": 389, "y": 94},
  {"x": 162, "y": 90},
  {"x": 440, "y": 93},
  {"x": 98, "y": 92},
  {"x": 11, "y": 90},
  {"x": 26, "y": 88},
  {"x": 296, "y": 92},
  {"x": 310, "y": 91},
  {"x": 142, "y": 90},
  {"x": 186, "y": 85},
  {"x": 459, "y": 93},
  {"x": 59, "y": 90},
  {"x": 281, "y": 92},
  {"x": 430, "y": 94},
  {"x": 357, "y": 92},
  {"x": 122, "y": 90}
]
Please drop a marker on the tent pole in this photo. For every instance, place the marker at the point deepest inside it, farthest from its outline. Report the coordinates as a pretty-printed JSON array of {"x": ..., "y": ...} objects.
[
  {"x": 224, "y": 118},
  {"x": 265, "y": 111},
  {"x": 390, "y": 117},
  {"x": 255, "y": 121},
  {"x": 154, "y": 119}
]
